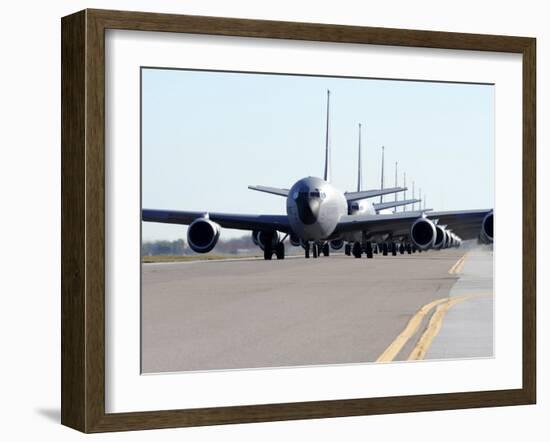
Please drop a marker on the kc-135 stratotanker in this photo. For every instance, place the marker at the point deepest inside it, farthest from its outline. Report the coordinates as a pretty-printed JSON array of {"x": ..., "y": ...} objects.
[{"x": 319, "y": 214}]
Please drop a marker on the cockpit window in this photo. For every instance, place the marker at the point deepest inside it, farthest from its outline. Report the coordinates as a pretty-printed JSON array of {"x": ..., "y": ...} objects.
[
  {"x": 317, "y": 194},
  {"x": 306, "y": 194},
  {"x": 355, "y": 206}
]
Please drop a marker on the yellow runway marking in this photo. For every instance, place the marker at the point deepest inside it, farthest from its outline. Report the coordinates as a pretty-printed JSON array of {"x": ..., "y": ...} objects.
[
  {"x": 457, "y": 267},
  {"x": 395, "y": 347},
  {"x": 398, "y": 343},
  {"x": 436, "y": 321}
]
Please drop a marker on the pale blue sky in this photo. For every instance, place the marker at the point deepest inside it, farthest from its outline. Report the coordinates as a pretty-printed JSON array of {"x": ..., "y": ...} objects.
[{"x": 207, "y": 135}]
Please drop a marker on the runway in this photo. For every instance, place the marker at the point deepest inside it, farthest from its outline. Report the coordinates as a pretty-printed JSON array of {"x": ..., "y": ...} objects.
[{"x": 216, "y": 315}]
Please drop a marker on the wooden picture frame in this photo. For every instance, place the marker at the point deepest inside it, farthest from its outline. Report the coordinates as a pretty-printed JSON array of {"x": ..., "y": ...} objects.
[{"x": 83, "y": 220}]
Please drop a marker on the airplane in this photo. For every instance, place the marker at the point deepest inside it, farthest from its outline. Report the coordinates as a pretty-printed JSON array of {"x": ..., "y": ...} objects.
[
  {"x": 356, "y": 242},
  {"x": 401, "y": 242},
  {"x": 318, "y": 213}
]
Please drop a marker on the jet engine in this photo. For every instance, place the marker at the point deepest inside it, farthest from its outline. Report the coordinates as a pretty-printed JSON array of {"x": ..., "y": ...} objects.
[
  {"x": 455, "y": 240},
  {"x": 262, "y": 238},
  {"x": 448, "y": 239},
  {"x": 486, "y": 234},
  {"x": 337, "y": 244},
  {"x": 202, "y": 235},
  {"x": 423, "y": 233},
  {"x": 440, "y": 241}
]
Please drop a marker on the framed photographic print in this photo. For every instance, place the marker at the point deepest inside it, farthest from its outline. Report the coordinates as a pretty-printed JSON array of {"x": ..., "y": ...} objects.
[{"x": 271, "y": 220}]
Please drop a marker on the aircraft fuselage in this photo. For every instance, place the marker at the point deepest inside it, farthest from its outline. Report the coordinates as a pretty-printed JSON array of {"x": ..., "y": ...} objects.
[{"x": 314, "y": 208}]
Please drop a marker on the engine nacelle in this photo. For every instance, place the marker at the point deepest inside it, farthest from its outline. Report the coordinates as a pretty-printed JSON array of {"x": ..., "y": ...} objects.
[
  {"x": 455, "y": 240},
  {"x": 294, "y": 240},
  {"x": 448, "y": 239},
  {"x": 486, "y": 234},
  {"x": 337, "y": 244},
  {"x": 440, "y": 238},
  {"x": 423, "y": 233},
  {"x": 203, "y": 235},
  {"x": 265, "y": 237}
]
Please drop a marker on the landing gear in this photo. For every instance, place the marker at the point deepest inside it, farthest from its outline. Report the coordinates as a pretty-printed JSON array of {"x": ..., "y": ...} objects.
[
  {"x": 385, "y": 249},
  {"x": 401, "y": 248},
  {"x": 393, "y": 249},
  {"x": 356, "y": 250},
  {"x": 280, "y": 251},
  {"x": 347, "y": 249},
  {"x": 326, "y": 250},
  {"x": 268, "y": 252},
  {"x": 306, "y": 248},
  {"x": 409, "y": 249},
  {"x": 369, "y": 249},
  {"x": 315, "y": 251}
]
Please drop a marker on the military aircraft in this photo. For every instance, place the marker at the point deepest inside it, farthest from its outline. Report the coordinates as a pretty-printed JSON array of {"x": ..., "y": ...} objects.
[
  {"x": 356, "y": 242},
  {"x": 318, "y": 213}
]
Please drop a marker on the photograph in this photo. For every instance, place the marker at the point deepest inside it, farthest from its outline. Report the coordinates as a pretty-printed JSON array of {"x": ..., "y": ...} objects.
[{"x": 310, "y": 220}]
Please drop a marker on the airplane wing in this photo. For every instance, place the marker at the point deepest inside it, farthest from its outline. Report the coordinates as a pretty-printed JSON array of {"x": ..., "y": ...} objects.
[
  {"x": 465, "y": 223},
  {"x": 390, "y": 204},
  {"x": 378, "y": 224},
  {"x": 354, "y": 196},
  {"x": 228, "y": 220},
  {"x": 273, "y": 190}
]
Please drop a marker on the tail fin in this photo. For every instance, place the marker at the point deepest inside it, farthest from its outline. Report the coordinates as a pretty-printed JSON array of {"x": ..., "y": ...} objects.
[
  {"x": 405, "y": 185},
  {"x": 359, "y": 182},
  {"x": 395, "y": 199},
  {"x": 327, "y": 141},
  {"x": 382, "y": 175}
]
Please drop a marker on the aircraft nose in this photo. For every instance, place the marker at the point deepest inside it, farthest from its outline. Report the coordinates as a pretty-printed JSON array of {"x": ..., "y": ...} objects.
[{"x": 308, "y": 208}]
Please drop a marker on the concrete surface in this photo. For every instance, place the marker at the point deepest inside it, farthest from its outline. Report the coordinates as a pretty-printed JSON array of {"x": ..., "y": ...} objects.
[{"x": 336, "y": 310}]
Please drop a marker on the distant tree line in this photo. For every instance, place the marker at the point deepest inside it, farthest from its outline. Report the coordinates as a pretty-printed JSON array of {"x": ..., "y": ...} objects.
[
  {"x": 177, "y": 247},
  {"x": 243, "y": 244}
]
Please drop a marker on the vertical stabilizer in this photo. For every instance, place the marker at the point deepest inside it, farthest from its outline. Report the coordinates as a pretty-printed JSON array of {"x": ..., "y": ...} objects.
[
  {"x": 413, "y": 197},
  {"x": 395, "y": 196},
  {"x": 327, "y": 141},
  {"x": 405, "y": 192},
  {"x": 382, "y": 175},
  {"x": 359, "y": 178}
]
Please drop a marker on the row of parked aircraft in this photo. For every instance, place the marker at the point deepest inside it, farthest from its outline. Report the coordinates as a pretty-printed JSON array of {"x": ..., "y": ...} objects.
[{"x": 320, "y": 216}]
